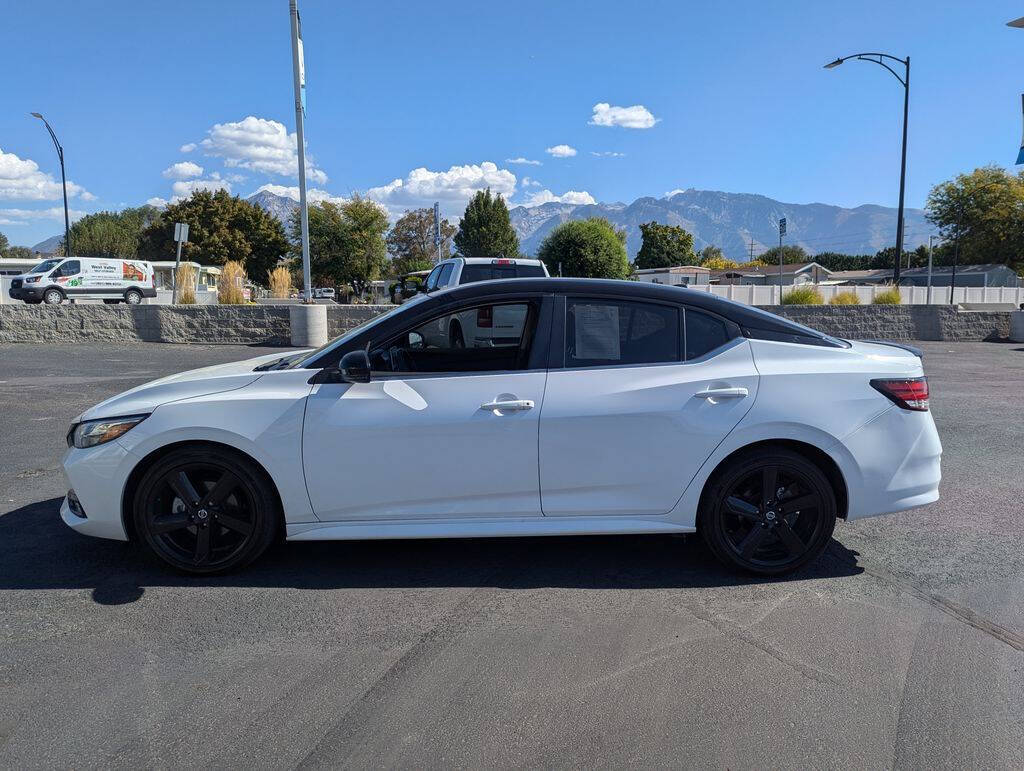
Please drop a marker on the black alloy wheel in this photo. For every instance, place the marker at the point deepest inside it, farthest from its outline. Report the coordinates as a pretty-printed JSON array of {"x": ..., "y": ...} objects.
[
  {"x": 769, "y": 512},
  {"x": 204, "y": 511}
]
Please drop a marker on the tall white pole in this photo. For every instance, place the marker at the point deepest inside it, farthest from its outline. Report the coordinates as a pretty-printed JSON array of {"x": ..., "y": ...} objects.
[
  {"x": 297, "y": 67},
  {"x": 928, "y": 300}
]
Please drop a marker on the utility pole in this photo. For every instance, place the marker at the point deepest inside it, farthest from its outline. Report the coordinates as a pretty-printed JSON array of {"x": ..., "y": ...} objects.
[
  {"x": 437, "y": 230},
  {"x": 751, "y": 250},
  {"x": 782, "y": 232},
  {"x": 299, "y": 73}
]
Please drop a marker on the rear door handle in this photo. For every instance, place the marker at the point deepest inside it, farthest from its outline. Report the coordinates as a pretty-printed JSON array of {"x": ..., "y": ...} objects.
[
  {"x": 509, "y": 405},
  {"x": 723, "y": 393}
]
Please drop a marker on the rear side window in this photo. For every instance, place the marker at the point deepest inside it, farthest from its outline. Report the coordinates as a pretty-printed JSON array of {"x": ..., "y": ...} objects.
[
  {"x": 704, "y": 333},
  {"x": 473, "y": 273},
  {"x": 610, "y": 332}
]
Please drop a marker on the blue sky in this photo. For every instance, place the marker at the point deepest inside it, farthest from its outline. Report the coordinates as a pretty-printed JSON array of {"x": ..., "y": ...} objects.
[{"x": 421, "y": 101}]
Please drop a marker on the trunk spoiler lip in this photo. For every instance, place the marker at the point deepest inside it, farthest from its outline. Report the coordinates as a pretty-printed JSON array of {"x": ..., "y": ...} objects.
[{"x": 916, "y": 351}]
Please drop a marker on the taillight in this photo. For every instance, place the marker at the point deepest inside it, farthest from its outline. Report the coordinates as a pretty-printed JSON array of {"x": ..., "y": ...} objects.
[
  {"x": 908, "y": 393},
  {"x": 485, "y": 316}
]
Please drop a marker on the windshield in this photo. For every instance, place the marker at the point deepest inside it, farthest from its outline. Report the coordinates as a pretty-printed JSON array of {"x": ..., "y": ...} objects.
[
  {"x": 45, "y": 265},
  {"x": 344, "y": 338}
]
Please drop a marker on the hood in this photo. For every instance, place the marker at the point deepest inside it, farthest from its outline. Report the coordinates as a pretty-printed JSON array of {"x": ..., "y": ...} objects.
[{"x": 184, "y": 385}]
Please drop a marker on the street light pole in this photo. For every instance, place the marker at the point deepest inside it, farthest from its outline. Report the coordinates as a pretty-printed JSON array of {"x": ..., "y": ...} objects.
[
  {"x": 878, "y": 58},
  {"x": 63, "y": 181},
  {"x": 299, "y": 77}
]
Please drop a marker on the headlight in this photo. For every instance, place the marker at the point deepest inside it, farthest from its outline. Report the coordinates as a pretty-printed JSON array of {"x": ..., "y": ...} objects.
[
  {"x": 33, "y": 280},
  {"x": 94, "y": 432}
]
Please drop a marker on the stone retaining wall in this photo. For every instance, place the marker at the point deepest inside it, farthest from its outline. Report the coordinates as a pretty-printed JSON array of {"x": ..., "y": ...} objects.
[{"x": 269, "y": 324}]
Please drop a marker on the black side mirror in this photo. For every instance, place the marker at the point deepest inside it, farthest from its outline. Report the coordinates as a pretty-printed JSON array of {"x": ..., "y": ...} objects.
[{"x": 355, "y": 367}]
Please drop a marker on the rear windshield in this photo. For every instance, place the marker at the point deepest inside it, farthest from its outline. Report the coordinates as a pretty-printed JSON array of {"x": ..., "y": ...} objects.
[{"x": 471, "y": 273}]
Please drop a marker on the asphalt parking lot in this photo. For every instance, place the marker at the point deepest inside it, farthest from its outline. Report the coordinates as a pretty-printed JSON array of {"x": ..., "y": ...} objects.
[{"x": 902, "y": 647}]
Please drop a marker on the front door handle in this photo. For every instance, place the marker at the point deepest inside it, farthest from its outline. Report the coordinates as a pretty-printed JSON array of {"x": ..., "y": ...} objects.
[
  {"x": 508, "y": 405},
  {"x": 723, "y": 393}
]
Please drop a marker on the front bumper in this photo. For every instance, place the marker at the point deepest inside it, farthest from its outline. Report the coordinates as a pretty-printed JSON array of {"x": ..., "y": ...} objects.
[
  {"x": 26, "y": 293},
  {"x": 98, "y": 476}
]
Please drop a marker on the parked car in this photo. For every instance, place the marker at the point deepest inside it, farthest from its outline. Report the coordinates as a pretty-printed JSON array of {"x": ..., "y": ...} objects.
[
  {"x": 325, "y": 293},
  {"x": 467, "y": 270},
  {"x": 612, "y": 407},
  {"x": 55, "y": 280}
]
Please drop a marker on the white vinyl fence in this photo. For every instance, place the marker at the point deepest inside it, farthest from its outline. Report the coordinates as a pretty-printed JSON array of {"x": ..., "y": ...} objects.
[{"x": 911, "y": 295}]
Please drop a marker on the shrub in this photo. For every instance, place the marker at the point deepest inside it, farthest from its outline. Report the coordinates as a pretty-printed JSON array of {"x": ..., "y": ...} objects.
[
  {"x": 185, "y": 279},
  {"x": 888, "y": 297},
  {"x": 280, "y": 280},
  {"x": 845, "y": 298},
  {"x": 231, "y": 283},
  {"x": 803, "y": 295}
]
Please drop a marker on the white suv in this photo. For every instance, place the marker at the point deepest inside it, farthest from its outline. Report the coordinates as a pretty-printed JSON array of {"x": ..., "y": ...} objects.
[{"x": 490, "y": 326}]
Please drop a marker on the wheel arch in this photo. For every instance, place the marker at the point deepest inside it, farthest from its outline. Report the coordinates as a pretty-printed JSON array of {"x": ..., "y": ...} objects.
[
  {"x": 811, "y": 452},
  {"x": 140, "y": 468}
]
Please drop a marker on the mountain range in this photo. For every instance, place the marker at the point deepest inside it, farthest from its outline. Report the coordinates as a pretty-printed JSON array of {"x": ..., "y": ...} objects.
[
  {"x": 731, "y": 221},
  {"x": 734, "y": 221}
]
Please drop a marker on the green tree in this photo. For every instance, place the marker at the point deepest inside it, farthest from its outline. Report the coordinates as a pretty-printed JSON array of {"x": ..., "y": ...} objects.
[
  {"x": 4, "y": 245},
  {"x": 590, "y": 248},
  {"x": 719, "y": 263},
  {"x": 18, "y": 253},
  {"x": 838, "y": 261},
  {"x": 790, "y": 254},
  {"x": 485, "y": 230},
  {"x": 222, "y": 227},
  {"x": 346, "y": 242},
  {"x": 986, "y": 209},
  {"x": 664, "y": 246},
  {"x": 112, "y": 234},
  {"x": 411, "y": 241},
  {"x": 710, "y": 252}
]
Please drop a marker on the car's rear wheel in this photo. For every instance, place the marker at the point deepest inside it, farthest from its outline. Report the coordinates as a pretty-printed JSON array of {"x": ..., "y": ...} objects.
[
  {"x": 53, "y": 297},
  {"x": 768, "y": 511},
  {"x": 204, "y": 511},
  {"x": 133, "y": 297},
  {"x": 455, "y": 337}
]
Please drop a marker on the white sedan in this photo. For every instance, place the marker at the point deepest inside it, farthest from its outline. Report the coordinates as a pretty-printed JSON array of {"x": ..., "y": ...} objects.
[{"x": 602, "y": 407}]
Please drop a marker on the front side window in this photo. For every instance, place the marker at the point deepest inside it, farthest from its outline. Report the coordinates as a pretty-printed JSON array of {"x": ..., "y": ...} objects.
[
  {"x": 431, "y": 282},
  {"x": 704, "y": 333},
  {"x": 612, "y": 332},
  {"x": 484, "y": 338},
  {"x": 69, "y": 268}
]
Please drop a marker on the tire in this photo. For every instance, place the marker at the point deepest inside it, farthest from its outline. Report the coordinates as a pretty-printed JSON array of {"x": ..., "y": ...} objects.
[
  {"x": 455, "y": 337},
  {"x": 133, "y": 297},
  {"x": 53, "y": 297},
  {"x": 205, "y": 511},
  {"x": 769, "y": 511}
]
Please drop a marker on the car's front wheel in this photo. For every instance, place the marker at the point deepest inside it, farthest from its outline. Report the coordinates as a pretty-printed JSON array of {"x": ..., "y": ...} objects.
[
  {"x": 205, "y": 511},
  {"x": 53, "y": 297},
  {"x": 768, "y": 511}
]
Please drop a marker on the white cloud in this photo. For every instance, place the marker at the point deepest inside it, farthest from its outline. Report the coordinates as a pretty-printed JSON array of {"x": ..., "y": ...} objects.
[
  {"x": 607, "y": 154},
  {"x": 529, "y": 182},
  {"x": 159, "y": 203},
  {"x": 635, "y": 117},
  {"x": 671, "y": 193},
  {"x": 183, "y": 170},
  {"x": 53, "y": 213},
  {"x": 184, "y": 188},
  {"x": 571, "y": 196},
  {"x": 261, "y": 145},
  {"x": 561, "y": 151},
  {"x": 521, "y": 161},
  {"x": 85, "y": 195},
  {"x": 21, "y": 180},
  {"x": 187, "y": 148},
  {"x": 453, "y": 188}
]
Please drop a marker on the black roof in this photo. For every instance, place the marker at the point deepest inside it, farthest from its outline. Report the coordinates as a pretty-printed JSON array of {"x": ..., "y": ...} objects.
[{"x": 746, "y": 317}]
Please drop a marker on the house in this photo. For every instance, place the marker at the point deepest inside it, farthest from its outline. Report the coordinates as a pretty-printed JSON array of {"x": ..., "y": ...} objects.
[
  {"x": 678, "y": 275},
  {"x": 768, "y": 275},
  {"x": 982, "y": 275},
  {"x": 206, "y": 275}
]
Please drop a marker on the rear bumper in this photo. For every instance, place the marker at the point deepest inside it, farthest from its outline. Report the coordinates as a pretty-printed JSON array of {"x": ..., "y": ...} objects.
[{"x": 892, "y": 463}]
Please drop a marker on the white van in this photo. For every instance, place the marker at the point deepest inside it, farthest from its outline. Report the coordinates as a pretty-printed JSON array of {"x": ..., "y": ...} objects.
[{"x": 62, "y": 278}]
